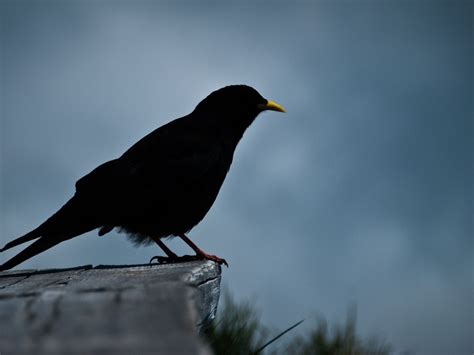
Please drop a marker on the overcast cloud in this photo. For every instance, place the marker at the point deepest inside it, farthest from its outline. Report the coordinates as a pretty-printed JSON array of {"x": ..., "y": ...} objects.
[{"x": 362, "y": 193}]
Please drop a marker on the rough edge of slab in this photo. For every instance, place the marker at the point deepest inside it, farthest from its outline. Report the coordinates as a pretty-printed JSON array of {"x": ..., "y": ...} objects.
[{"x": 203, "y": 278}]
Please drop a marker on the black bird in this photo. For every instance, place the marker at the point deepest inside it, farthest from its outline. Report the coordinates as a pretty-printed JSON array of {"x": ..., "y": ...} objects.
[{"x": 163, "y": 185}]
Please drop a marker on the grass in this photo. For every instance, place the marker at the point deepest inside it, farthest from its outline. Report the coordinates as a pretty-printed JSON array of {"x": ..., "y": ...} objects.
[{"x": 238, "y": 331}]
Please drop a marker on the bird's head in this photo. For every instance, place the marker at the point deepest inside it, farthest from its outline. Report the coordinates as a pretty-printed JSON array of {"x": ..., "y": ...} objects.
[{"x": 235, "y": 105}]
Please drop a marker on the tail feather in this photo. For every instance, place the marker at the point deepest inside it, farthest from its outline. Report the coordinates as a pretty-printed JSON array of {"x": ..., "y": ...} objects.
[
  {"x": 37, "y": 247},
  {"x": 68, "y": 222},
  {"x": 57, "y": 222},
  {"x": 34, "y": 234}
]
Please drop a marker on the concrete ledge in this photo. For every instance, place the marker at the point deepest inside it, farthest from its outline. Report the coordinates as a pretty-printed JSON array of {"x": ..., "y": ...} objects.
[{"x": 139, "y": 309}]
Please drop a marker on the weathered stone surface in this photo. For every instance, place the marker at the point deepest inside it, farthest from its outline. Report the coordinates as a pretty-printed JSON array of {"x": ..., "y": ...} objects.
[{"x": 139, "y": 309}]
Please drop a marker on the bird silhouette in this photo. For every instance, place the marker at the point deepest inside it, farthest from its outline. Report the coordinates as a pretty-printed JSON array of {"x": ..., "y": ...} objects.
[{"x": 163, "y": 185}]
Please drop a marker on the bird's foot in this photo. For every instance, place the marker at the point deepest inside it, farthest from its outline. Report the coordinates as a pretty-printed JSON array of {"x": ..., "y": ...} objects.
[
  {"x": 204, "y": 256},
  {"x": 178, "y": 259},
  {"x": 200, "y": 254},
  {"x": 173, "y": 259},
  {"x": 160, "y": 259}
]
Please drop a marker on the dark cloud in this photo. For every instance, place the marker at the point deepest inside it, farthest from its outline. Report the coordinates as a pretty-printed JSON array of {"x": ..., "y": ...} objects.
[{"x": 361, "y": 193}]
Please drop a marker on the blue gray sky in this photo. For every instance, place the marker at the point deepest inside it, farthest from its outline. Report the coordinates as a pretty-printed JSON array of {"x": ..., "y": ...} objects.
[{"x": 361, "y": 194}]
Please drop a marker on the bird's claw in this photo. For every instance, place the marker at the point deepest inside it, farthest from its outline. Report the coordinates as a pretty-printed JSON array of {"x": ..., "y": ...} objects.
[
  {"x": 214, "y": 258},
  {"x": 160, "y": 259},
  {"x": 171, "y": 260}
]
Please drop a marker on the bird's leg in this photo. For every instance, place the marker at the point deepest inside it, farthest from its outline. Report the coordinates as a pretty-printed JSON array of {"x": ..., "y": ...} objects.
[
  {"x": 201, "y": 254},
  {"x": 171, "y": 256},
  {"x": 165, "y": 248}
]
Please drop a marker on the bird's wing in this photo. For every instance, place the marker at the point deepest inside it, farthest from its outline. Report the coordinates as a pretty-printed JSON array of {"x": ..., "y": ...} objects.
[
  {"x": 171, "y": 161},
  {"x": 171, "y": 155},
  {"x": 99, "y": 178}
]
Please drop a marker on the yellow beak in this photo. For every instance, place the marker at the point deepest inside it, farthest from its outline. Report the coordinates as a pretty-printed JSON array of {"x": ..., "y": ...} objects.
[{"x": 272, "y": 106}]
